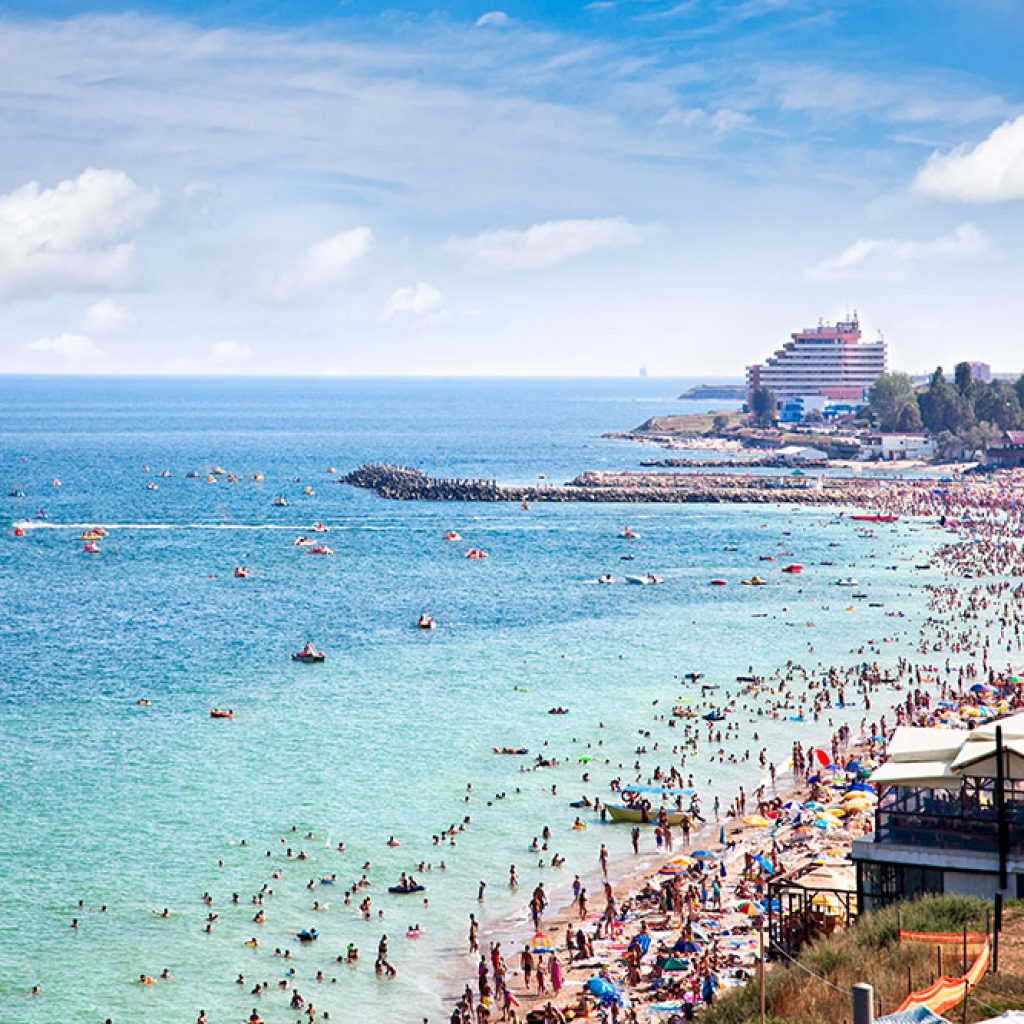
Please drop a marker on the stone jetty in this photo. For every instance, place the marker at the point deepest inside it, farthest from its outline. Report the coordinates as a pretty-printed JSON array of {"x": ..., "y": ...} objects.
[{"x": 403, "y": 483}]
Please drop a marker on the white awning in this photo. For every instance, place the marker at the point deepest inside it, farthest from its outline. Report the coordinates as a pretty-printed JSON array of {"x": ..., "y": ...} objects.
[
  {"x": 1012, "y": 726},
  {"x": 912, "y": 743},
  {"x": 978, "y": 760},
  {"x": 925, "y": 774}
]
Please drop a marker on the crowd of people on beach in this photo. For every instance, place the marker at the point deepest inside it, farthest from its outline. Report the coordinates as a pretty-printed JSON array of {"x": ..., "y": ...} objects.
[{"x": 692, "y": 925}]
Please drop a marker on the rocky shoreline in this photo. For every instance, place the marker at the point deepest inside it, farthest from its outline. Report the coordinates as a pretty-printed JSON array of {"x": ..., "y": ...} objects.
[{"x": 402, "y": 483}]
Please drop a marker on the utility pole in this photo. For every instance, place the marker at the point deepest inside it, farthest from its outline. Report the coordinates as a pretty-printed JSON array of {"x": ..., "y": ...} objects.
[
  {"x": 863, "y": 1004},
  {"x": 760, "y": 949}
]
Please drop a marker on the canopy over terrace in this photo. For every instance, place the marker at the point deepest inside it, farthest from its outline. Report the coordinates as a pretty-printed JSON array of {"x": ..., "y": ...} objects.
[{"x": 940, "y": 787}]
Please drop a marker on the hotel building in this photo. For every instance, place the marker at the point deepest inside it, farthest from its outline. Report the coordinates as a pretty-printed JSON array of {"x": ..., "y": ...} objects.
[{"x": 828, "y": 361}]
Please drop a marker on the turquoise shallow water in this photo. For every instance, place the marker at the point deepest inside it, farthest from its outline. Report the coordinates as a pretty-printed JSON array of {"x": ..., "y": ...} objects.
[{"x": 133, "y": 807}]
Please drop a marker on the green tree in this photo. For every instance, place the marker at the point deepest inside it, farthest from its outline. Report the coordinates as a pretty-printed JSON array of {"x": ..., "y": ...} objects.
[
  {"x": 997, "y": 403},
  {"x": 943, "y": 407},
  {"x": 909, "y": 419},
  {"x": 962, "y": 378},
  {"x": 892, "y": 400},
  {"x": 764, "y": 406},
  {"x": 1019, "y": 388}
]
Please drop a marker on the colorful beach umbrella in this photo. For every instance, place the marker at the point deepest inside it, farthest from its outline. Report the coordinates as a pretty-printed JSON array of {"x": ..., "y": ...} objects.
[
  {"x": 749, "y": 908},
  {"x": 541, "y": 944},
  {"x": 676, "y": 866}
]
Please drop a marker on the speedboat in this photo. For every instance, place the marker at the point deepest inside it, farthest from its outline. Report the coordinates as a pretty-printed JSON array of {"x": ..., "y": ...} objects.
[
  {"x": 754, "y": 581},
  {"x": 192, "y": 474},
  {"x": 220, "y": 713},
  {"x": 320, "y": 528},
  {"x": 92, "y": 534},
  {"x": 218, "y": 471},
  {"x": 719, "y": 583},
  {"x": 795, "y": 568},
  {"x": 638, "y": 581},
  {"x": 280, "y": 501},
  {"x": 241, "y": 572},
  {"x": 629, "y": 534},
  {"x": 846, "y": 581},
  {"x": 303, "y": 542},
  {"x": 257, "y": 477},
  {"x": 426, "y": 621},
  {"x": 166, "y": 473},
  {"x": 320, "y": 549},
  {"x": 15, "y": 493},
  {"x": 452, "y": 535},
  {"x": 476, "y": 553},
  {"x": 152, "y": 486},
  {"x": 309, "y": 655}
]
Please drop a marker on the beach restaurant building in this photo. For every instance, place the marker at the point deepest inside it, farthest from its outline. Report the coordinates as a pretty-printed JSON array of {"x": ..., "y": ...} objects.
[{"x": 949, "y": 817}]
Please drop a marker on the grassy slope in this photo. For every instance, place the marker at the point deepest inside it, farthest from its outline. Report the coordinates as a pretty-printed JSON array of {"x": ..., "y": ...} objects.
[{"x": 871, "y": 952}]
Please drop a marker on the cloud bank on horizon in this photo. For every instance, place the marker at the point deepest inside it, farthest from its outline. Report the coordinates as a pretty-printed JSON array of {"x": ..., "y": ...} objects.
[{"x": 474, "y": 189}]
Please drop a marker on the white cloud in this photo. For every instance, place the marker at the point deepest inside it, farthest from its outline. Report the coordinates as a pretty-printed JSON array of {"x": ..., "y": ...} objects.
[
  {"x": 990, "y": 172},
  {"x": 73, "y": 235},
  {"x": 225, "y": 353},
  {"x": 722, "y": 122},
  {"x": 107, "y": 317},
  {"x": 547, "y": 244},
  {"x": 73, "y": 347},
  {"x": 323, "y": 265},
  {"x": 492, "y": 19},
  {"x": 892, "y": 258},
  {"x": 421, "y": 302}
]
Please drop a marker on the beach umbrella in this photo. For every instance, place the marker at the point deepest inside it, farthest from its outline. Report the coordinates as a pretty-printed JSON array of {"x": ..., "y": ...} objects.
[
  {"x": 757, "y": 821},
  {"x": 688, "y": 946},
  {"x": 853, "y": 766},
  {"x": 704, "y": 855},
  {"x": 813, "y": 805},
  {"x": 676, "y": 866},
  {"x": 828, "y": 902},
  {"x": 862, "y": 787},
  {"x": 542, "y": 944},
  {"x": 749, "y": 908},
  {"x": 765, "y": 863},
  {"x": 792, "y": 805}
]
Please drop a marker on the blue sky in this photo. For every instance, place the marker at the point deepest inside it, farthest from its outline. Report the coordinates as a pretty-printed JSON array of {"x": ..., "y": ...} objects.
[{"x": 563, "y": 188}]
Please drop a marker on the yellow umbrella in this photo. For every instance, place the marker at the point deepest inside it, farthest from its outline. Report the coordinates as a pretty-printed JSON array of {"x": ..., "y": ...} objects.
[
  {"x": 828, "y": 902},
  {"x": 757, "y": 821}
]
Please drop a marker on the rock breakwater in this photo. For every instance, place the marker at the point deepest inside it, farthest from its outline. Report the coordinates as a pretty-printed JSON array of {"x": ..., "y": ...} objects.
[{"x": 403, "y": 483}]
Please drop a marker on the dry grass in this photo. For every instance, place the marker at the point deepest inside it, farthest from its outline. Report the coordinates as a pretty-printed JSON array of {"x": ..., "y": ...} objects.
[{"x": 871, "y": 952}]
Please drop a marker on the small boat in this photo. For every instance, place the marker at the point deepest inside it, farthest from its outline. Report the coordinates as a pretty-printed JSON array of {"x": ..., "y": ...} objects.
[
  {"x": 426, "y": 621},
  {"x": 629, "y": 534},
  {"x": 232, "y": 479},
  {"x": 452, "y": 535},
  {"x": 309, "y": 655},
  {"x": 558, "y": 711},
  {"x": 15, "y": 493},
  {"x": 308, "y": 935},
  {"x": 719, "y": 583},
  {"x": 730, "y": 547},
  {"x": 220, "y": 713},
  {"x": 627, "y": 558},
  {"x": 241, "y": 572},
  {"x": 303, "y": 542},
  {"x": 517, "y": 751},
  {"x": 606, "y": 578},
  {"x": 192, "y": 474},
  {"x": 693, "y": 676},
  {"x": 638, "y": 581},
  {"x": 280, "y": 501},
  {"x": 56, "y": 483},
  {"x": 211, "y": 479},
  {"x": 754, "y": 581},
  {"x": 320, "y": 528},
  {"x": 91, "y": 548},
  {"x": 308, "y": 491},
  {"x": 152, "y": 486},
  {"x": 794, "y": 569},
  {"x": 320, "y": 549},
  {"x": 651, "y": 578},
  {"x": 476, "y": 554},
  {"x": 258, "y": 477},
  {"x": 875, "y": 518},
  {"x": 406, "y": 890},
  {"x": 636, "y": 815},
  {"x": 713, "y": 716},
  {"x": 91, "y": 535},
  {"x": 165, "y": 474},
  {"x": 846, "y": 581}
]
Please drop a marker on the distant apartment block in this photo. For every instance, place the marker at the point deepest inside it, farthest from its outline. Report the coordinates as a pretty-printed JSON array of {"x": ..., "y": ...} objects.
[{"x": 828, "y": 362}]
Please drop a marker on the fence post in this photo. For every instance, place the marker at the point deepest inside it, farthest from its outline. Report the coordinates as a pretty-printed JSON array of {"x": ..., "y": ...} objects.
[{"x": 863, "y": 1004}]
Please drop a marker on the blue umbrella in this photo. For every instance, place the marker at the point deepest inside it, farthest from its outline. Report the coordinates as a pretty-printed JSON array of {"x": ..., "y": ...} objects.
[
  {"x": 765, "y": 863},
  {"x": 704, "y": 855}
]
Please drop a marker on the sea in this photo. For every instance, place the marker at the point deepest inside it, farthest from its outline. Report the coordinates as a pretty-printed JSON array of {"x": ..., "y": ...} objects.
[{"x": 112, "y": 810}]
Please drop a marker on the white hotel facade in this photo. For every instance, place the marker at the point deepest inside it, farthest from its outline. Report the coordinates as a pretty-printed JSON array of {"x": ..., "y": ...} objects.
[{"x": 829, "y": 362}]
